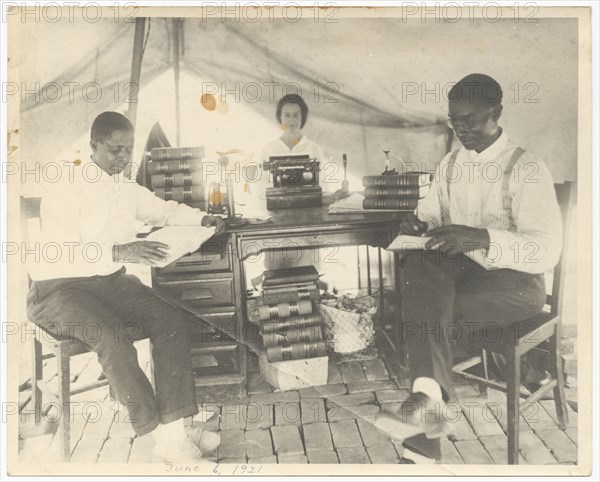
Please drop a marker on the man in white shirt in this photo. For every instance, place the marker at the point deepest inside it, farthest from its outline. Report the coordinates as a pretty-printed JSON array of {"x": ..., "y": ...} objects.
[
  {"x": 495, "y": 229},
  {"x": 85, "y": 294}
]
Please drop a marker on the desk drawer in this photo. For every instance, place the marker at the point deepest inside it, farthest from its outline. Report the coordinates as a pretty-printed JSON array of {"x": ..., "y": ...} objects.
[
  {"x": 214, "y": 255},
  {"x": 215, "y": 360},
  {"x": 221, "y": 325},
  {"x": 198, "y": 293},
  {"x": 373, "y": 237},
  {"x": 327, "y": 240}
]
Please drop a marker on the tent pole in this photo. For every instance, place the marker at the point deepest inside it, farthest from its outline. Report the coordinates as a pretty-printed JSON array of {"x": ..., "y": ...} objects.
[
  {"x": 134, "y": 81},
  {"x": 136, "y": 67},
  {"x": 177, "y": 32}
]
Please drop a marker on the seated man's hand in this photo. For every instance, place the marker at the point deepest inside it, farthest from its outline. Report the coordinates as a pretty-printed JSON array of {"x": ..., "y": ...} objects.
[
  {"x": 216, "y": 221},
  {"x": 412, "y": 225},
  {"x": 455, "y": 238},
  {"x": 143, "y": 252}
]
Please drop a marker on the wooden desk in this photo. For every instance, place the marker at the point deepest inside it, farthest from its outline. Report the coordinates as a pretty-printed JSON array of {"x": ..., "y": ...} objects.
[
  {"x": 305, "y": 228},
  {"x": 313, "y": 228}
]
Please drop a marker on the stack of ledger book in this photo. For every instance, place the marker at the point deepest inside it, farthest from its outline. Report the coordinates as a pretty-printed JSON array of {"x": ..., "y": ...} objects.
[
  {"x": 396, "y": 191},
  {"x": 176, "y": 175},
  {"x": 290, "y": 325}
]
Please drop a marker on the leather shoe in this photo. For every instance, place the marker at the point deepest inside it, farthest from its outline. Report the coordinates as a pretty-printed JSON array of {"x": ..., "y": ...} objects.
[
  {"x": 413, "y": 457},
  {"x": 418, "y": 414}
]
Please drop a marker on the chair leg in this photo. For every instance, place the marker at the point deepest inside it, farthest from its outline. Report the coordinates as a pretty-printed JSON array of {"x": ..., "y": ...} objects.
[
  {"x": 112, "y": 395},
  {"x": 37, "y": 374},
  {"x": 513, "y": 405},
  {"x": 64, "y": 393},
  {"x": 556, "y": 370},
  {"x": 483, "y": 389},
  {"x": 152, "y": 374}
]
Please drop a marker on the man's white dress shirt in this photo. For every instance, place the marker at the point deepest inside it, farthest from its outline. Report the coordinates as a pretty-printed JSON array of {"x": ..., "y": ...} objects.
[
  {"x": 87, "y": 212},
  {"x": 475, "y": 200}
]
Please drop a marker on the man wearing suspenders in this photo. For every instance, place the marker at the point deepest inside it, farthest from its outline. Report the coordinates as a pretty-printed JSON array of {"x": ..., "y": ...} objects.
[{"x": 495, "y": 228}]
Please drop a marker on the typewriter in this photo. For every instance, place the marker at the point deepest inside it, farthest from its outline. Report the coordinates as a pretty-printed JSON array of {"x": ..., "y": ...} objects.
[{"x": 295, "y": 182}]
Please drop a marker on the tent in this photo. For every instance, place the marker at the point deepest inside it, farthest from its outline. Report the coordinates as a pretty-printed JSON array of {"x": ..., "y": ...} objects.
[{"x": 373, "y": 82}]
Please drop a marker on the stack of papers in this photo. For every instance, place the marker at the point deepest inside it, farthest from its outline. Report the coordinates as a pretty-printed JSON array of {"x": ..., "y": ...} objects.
[
  {"x": 182, "y": 240},
  {"x": 353, "y": 204},
  {"x": 405, "y": 242}
]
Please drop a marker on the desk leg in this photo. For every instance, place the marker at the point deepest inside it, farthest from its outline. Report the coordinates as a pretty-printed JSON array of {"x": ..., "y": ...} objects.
[
  {"x": 381, "y": 287},
  {"x": 239, "y": 286},
  {"x": 369, "y": 287},
  {"x": 358, "y": 266},
  {"x": 392, "y": 339},
  {"x": 401, "y": 343}
]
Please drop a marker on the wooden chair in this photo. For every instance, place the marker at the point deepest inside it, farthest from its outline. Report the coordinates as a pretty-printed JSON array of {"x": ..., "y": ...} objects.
[
  {"x": 524, "y": 336},
  {"x": 62, "y": 349}
]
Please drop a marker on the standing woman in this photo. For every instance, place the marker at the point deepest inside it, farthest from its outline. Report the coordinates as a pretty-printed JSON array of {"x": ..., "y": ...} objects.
[{"x": 291, "y": 114}]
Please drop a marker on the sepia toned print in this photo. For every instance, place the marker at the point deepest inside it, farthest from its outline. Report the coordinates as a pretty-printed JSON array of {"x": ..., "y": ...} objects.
[{"x": 295, "y": 240}]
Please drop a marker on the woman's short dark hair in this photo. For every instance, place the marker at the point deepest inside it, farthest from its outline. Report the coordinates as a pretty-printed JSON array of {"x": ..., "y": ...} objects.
[
  {"x": 292, "y": 99},
  {"x": 108, "y": 122}
]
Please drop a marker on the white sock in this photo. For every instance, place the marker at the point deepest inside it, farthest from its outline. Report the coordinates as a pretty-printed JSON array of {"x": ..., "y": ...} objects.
[
  {"x": 167, "y": 433},
  {"x": 429, "y": 387}
]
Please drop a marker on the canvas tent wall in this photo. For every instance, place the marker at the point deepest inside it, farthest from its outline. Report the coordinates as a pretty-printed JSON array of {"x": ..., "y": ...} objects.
[
  {"x": 390, "y": 75},
  {"x": 389, "y": 78}
]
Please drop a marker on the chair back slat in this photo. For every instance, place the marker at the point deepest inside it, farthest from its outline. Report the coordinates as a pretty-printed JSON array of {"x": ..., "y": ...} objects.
[
  {"x": 563, "y": 196},
  {"x": 30, "y": 209}
]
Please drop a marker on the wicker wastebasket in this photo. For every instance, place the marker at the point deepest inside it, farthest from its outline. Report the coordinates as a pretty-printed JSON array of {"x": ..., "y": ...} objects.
[{"x": 348, "y": 327}]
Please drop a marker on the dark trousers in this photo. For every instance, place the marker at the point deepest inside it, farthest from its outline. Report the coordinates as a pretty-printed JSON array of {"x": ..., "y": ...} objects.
[
  {"x": 109, "y": 313},
  {"x": 445, "y": 300}
]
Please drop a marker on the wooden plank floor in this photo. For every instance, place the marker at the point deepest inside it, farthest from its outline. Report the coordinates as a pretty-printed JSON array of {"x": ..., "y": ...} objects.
[{"x": 328, "y": 424}]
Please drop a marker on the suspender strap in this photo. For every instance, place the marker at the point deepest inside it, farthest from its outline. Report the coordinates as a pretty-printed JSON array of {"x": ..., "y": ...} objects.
[
  {"x": 506, "y": 196},
  {"x": 450, "y": 171}
]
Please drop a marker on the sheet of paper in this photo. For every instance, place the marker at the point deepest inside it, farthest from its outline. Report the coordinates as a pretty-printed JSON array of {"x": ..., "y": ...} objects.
[
  {"x": 181, "y": 240},
  {"x": 353, "y": 204},
  {"x": 405, "y": 242},
  {"x": 253, "y": 211}
]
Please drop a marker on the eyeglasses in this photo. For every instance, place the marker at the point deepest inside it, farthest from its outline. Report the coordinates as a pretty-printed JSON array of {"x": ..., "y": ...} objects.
[
  {"x": 116, "y": 149},
  {"x": 466, "y": 123}
]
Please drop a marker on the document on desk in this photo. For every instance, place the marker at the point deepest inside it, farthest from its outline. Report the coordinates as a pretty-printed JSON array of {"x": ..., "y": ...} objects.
[
  {"x": 182, "y": 240},
  {"x": 404, "y": 242},
  {"x": 353, "y": 204}
]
